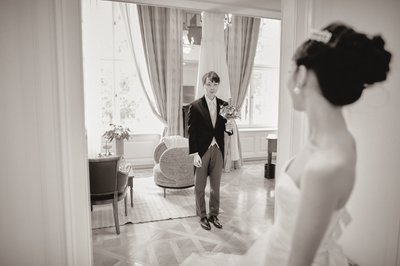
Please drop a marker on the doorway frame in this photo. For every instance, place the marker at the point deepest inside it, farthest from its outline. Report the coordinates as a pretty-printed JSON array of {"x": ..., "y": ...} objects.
[{"x": 296, "y": 19}]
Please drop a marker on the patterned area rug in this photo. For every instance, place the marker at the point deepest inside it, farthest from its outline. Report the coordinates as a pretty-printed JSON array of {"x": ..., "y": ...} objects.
[{"x": 149, "y": 205}]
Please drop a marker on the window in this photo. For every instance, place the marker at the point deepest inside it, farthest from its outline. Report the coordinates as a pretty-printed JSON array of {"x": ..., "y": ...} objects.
[
  {"x": 260, "y": 107},
  {"x": 122, "y": 97}
]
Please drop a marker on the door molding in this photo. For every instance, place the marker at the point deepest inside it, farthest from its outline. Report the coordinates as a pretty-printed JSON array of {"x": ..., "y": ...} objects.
[
  {"x": 296, "y": 17},
  {"x": 70, "y": 113}
]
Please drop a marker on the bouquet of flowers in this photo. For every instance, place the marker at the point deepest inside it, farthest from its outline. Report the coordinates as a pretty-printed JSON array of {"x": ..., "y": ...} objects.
[
  {"x": 229, "y": 111},
  {"x": 117, "y": 132}
]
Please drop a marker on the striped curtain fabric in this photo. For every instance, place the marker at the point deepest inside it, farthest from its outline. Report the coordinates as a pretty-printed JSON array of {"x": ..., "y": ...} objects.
[
  {"x": 242, "y": 38},
  {"x": 162, "y": 40},
  {"x": 241, "y": 44}
]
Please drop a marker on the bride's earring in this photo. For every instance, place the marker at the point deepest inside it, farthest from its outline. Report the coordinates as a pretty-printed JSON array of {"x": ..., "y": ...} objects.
[{"x": 296, "y": 90}]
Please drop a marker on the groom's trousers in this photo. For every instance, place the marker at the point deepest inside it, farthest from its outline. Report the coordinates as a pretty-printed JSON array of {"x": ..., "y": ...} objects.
[{"x": 212, "y": 163}]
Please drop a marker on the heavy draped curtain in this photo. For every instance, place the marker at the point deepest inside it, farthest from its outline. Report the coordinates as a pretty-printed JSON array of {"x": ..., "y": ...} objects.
[
  {"x": 241, "y": 44},
  {"x": 161, "y": 30},
  {"x": 242, "y": 38}
]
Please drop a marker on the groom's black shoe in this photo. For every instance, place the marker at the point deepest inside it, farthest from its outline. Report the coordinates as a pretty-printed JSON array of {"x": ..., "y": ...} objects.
[
  {"x": 205, "y": 224},
  {"x": 213, "y": 219}
]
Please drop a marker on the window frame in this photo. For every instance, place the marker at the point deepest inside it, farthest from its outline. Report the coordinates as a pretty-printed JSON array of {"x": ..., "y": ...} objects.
[{"x": 250, "y": 96}]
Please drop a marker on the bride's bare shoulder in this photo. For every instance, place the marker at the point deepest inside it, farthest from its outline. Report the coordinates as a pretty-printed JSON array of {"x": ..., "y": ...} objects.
[
  {"x": 332, "y": 174},
  {"x": 339, "y": 155},
  {"x": 332, "y": 166}
]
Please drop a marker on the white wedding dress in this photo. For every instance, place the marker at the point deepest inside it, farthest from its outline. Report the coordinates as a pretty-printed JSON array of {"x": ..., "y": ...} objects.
[
  {"x": 272, "y": 247},
  {"x": 213, "y": 54}
]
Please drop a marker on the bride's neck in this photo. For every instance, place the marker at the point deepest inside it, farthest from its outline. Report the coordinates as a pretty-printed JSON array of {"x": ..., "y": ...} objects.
[{"x": 325, "y": 121}]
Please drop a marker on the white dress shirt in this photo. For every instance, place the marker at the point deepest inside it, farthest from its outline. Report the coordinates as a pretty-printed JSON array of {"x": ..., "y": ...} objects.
[{"x": 212, "y": 107}]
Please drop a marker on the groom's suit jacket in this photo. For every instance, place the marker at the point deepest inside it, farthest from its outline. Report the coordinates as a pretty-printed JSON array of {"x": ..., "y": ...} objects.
[{"x": 200, "y": 128}]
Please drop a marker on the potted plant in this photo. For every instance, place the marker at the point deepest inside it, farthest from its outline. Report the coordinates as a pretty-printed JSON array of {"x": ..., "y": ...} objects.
[{"x": 119, "y": 133}]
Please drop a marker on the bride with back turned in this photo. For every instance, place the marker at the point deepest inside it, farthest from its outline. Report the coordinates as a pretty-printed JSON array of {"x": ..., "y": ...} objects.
[{"x": 330, "y": 70}]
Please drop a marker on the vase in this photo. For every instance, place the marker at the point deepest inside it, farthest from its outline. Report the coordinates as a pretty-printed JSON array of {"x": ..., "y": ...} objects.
[{"x": 119, "y": 147}]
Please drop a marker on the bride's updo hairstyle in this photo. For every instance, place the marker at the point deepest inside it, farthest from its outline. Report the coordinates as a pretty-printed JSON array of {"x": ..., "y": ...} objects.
[{"x": 344, "y": 61}]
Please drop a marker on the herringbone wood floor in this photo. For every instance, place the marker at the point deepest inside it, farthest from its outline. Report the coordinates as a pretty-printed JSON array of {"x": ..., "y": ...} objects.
[{"x": 247, "y": 199}]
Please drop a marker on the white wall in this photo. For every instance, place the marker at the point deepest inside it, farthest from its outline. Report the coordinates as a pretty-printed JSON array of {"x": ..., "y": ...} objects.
[
  {"x": 139, "y": 150},
  {"x": 254, "y": 143},
  {"x": 372, "y": 238},
  {"x": 43, "y": 174}
]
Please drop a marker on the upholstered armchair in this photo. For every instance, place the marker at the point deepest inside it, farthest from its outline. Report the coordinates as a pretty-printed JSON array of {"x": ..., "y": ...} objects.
[
  {"x": 107, "y": 184},
  {"x": 173, "y": 165}
]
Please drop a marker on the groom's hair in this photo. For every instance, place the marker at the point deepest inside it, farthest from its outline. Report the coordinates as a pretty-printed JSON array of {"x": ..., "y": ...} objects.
[{"x": 212, "y": 76}]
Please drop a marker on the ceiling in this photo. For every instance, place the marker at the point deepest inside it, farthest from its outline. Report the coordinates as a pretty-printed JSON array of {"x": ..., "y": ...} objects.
[{"x": 258, "y": 8}]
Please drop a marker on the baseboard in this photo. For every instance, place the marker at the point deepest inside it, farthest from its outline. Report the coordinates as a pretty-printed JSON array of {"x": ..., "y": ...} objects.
[
  {"x": 252, "y": 159},
  {"x": 143, "y": 166},
  {"x": 262, "y": 158}
]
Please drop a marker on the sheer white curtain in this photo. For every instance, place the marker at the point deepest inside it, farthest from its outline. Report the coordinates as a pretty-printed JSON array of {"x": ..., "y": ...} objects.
[
  {"x": 132, "y": 25},
  {"x": 92, "y": 119},
  {"x": 90, "y": 39}
]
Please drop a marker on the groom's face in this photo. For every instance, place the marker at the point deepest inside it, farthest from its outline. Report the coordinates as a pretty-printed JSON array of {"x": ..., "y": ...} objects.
[{"x": 211, "y": 88}]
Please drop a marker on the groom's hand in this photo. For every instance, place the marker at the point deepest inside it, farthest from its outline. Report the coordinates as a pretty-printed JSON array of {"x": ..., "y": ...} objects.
[
  {"x": 229, "y": 126},
  {"x": 197, "y": 160}
]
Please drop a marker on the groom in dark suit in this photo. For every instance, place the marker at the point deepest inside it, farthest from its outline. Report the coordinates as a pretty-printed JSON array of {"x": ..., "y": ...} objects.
[{"x": 206, "y": 128}]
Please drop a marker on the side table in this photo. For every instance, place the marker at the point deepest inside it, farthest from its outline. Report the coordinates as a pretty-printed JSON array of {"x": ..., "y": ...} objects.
[{"x": 269, "y": 171}]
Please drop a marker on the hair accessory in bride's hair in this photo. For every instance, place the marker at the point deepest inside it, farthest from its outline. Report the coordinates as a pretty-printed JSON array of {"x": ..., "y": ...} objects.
[{"x": 320, "y": 36}]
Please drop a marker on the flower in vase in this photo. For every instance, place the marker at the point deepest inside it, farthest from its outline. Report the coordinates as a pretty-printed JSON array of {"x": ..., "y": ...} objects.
[{"x": 117, "y": 132}]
